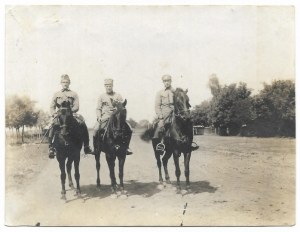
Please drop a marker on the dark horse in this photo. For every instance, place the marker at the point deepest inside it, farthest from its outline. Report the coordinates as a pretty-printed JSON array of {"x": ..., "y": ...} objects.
[
  {"x": 112, "y": 143},
  {"x": 67, "y": 143},
  {"x": 177, "y": 139}
]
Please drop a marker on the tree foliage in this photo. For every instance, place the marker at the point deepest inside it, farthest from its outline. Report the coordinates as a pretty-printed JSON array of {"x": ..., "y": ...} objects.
[
  {"x": 132, "y": 123},
  {"x": 20, "y": 112},
  {"x": 232, "y": 108},
  {"x": 275, "y": 109}
]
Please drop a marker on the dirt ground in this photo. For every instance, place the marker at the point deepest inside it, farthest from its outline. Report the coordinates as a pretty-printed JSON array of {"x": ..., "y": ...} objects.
[{"x": 235, "y": 182}]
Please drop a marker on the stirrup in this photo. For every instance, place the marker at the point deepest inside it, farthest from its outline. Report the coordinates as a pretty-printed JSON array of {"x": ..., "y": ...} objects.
[
  {"x": 160, "y": 147},
  {"x": 195, "y": 147}
]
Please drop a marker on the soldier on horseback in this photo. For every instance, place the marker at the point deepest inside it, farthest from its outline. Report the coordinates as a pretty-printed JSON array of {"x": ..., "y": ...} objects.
[
  {"x": 104, "y": 110},
  {"x": 65, "y": 94},
  {"x": 164, "y": 107}
]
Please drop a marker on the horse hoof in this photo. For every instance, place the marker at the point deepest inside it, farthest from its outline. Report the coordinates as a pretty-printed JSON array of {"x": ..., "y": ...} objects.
[
  {"x": 113, "y": 196},
  {"x": 160, "y": 186},
  {"x": 183, "y": 192},
  {"x": 71, "y": 186},
  {"x": 123, "y": 197},
  {"x": 119, "y": 193},
  {"x": 63, "y": 197},
  {"x": 99, "y": 188},
  {"x": 178, "y": 190}
]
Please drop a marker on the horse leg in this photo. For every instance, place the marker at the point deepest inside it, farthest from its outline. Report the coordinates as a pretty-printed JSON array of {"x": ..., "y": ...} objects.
[
  {"x": 177, "y": 169},
  {"x": 121, "y": 172},
  {"x": 69, "y": 168},
  {"x": 187, "y": 157},
  {"x": 97, "y": 158},
  {"x": 110, "y": 159},
  {"x": 165, "y": 160},
  {"x": 158, "y": 161},
  {"x": 77, "y": 174},
  {"x": 62, "y": 177}
]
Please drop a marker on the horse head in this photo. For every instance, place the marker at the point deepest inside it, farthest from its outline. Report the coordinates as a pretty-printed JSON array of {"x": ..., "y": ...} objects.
[
  {"x": 118, "y": 118},
  {"x": 65, "y": 117},
  {"x": 181, "y": 104}
]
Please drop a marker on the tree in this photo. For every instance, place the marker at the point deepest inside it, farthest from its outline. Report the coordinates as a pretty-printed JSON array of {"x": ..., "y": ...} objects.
[
  {"x": 144, "y": 123},
  {"x": 231, "y": 107},
  {"x": 19, "y": 112},
  {"x": 132, "y": 123},
  {"x": 43, "y": 119},
  {"x": 275, "y": 109},
  {"x": 200, "y": 114}
]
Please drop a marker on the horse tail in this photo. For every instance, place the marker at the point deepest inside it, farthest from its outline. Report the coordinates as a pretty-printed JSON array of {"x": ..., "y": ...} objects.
[{"x": 148, "y": 134}]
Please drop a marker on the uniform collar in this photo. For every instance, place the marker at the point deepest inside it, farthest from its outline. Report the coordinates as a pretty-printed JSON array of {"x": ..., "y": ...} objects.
[
  {"x": 111, "y": 94},
  {"x": 65, "y": 90},
  {"x": 169, "y": 88}
]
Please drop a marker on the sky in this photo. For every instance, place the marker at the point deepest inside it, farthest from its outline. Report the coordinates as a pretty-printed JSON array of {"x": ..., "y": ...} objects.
[{"x": 136, "y": 45}]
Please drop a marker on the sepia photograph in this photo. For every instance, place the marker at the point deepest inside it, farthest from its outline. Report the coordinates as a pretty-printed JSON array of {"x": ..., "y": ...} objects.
[{"x": 150, "y": 115}]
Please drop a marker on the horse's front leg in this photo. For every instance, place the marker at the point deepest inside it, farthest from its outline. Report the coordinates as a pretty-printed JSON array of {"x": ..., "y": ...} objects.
[
  {"x": 61, "y": 161},
  {"x": 158, "y": 161},
  {"x": 176, "y": 155},
  {"x": 187, "y": 158},
  {"x": 165, "y": 160},
  {"x": 122, "y": 159},
  {"x": 69, "y": 168},
  {"x": 97, "y": 158},
  {"x": 77, "y": 174},
  {"x": 110, "y": 159}
]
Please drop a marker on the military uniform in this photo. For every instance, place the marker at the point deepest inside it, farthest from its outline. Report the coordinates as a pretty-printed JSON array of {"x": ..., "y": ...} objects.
[
  {"x": 164, "y": 105},
  {"x": 71, "y": 97},
  {"x": 104, "y": 106},
  {"x": 104, "y": 110}
]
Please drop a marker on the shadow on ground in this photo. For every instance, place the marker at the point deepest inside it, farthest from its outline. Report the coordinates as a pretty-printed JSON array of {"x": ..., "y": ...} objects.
[{"x": 134, "y": 187}]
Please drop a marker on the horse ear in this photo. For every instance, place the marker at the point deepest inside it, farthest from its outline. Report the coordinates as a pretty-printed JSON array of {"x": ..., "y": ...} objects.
[
  {"x": 124, "y": 103},
  {"x": 186, "y": 91}
]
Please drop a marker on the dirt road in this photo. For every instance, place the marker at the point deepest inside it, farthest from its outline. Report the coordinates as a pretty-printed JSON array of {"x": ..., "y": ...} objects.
[{"x": 235, "y": 182}]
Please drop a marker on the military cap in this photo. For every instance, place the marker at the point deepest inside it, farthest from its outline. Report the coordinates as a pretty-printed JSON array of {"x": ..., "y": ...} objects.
[
  {"x": 65, "y": 77},
  {"x": 108, "y": 81},
  {"x": 166, "y": 77}
]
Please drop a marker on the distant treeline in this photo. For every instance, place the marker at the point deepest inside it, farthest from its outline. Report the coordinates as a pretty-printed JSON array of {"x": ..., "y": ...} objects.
[
  {"x": 20, "y": 113},
  {"x": 234, "y": 111}
]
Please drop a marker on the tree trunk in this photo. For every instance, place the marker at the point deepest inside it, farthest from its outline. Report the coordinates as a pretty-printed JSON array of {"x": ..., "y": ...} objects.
[{"x": 23, "y": 134}]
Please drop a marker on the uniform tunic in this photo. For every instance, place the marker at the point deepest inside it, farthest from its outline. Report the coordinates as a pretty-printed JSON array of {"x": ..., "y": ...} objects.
[
  {"x": 164, "y": 102},
  {"x": 64, "y": 95},
  {"x": 104, "y": 105}
]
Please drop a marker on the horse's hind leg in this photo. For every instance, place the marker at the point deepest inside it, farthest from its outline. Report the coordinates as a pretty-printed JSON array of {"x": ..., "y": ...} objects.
[
  {"x": 77, "y": 174},
  {"x": 69, "y": 168},
  {"x": 97, "y": 158},
  {"x": 62, "y": 177},
  {"x": 187, "y": 158}
]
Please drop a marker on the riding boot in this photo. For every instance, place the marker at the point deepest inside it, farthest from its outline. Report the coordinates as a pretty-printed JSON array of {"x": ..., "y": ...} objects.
[
  {"x": 51, "y": 151},
  {"x": 128, "y": 133},
  {"x": 86, "y": 140}
]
